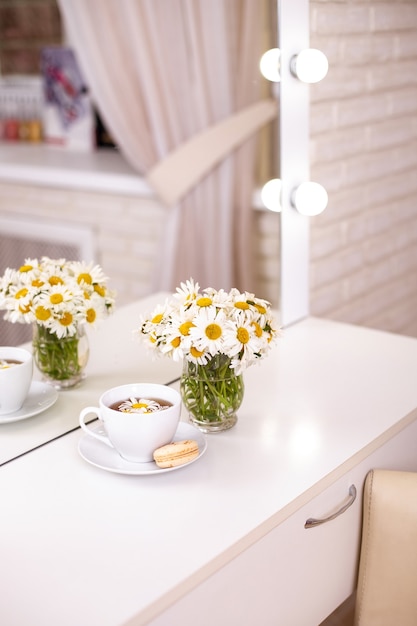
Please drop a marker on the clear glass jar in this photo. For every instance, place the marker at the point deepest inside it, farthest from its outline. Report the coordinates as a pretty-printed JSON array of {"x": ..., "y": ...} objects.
[
  {"x": 61, "y": 361},
  {"x": 212, "y": 393}
]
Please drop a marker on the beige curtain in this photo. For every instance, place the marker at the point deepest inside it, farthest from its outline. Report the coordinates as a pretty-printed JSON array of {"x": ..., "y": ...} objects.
[{"x": 162, "y": 72}]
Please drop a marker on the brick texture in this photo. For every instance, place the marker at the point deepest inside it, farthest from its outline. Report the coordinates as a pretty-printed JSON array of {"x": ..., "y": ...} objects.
[
  {"x": 25, "y": 28},
  {"x": 127, "y": 233},
  {"x": 364, "y": 151}
]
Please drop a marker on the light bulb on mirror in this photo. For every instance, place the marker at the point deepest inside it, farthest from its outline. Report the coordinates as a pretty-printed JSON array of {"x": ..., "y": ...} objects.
[
  {"x": 309, "y": 198},
  {"x": 269, "y": 65},
  {"x": 309, "y": 66},
  {"x": 271, "y": 195}
]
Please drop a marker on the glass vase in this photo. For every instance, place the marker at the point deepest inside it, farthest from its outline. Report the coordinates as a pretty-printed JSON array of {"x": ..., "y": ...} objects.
[
  {"x": 211, "y": 393},
  {"x": 61, "y": 361}
]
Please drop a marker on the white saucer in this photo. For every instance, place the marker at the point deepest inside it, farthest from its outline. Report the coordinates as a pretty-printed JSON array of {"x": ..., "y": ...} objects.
[
  {"x": 41, "y": 396},
  {"x": 104, "y": 457}
]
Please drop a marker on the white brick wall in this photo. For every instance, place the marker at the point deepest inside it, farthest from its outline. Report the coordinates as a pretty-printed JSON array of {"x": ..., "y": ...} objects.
[
  {"x": 127, "y": 230},
  {"x": 267, "y": 255},
  {"x": 364, "y": 151}
]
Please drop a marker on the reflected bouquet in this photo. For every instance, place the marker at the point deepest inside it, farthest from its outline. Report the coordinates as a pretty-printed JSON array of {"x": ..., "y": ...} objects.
[
  {"x": 57, "y": 294},
  {"x": 60, "y": 299}
]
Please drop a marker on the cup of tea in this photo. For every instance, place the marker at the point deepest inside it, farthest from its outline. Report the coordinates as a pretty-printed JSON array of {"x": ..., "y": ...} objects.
[
  {"x": 16, "y": 369},
  {"x": 137, "y": 418}
]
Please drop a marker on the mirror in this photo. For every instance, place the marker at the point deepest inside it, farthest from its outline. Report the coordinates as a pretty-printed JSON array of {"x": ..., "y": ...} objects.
[
  {"x": 268, "y": 219},
  {"x": 267, "y": 224}
]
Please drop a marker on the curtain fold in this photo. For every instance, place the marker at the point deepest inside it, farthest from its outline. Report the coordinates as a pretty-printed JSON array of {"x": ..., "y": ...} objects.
[{"x": 160, "y": 73}]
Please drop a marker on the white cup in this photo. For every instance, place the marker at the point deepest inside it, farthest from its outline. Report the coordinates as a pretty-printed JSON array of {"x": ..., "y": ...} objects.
[
  {"x": 135, "y": 436},
  {"x": 15, "y": 378}
]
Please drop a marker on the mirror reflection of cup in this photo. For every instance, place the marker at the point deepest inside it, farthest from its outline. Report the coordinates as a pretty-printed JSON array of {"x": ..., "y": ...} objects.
[
  {"x": 16, "y": 370},
  {"x": 135, "y": 436}
]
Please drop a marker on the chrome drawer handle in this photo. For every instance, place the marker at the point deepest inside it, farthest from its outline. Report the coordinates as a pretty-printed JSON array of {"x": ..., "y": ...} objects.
[{"x": 312, "y": 521}]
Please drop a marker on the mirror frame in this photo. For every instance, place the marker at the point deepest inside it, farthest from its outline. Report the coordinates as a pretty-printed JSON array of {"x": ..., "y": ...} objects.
[{"x": 294, "y": 101}]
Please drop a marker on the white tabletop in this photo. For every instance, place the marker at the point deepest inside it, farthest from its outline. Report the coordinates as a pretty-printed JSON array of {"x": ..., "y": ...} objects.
[{"x": 80, "y": 545}]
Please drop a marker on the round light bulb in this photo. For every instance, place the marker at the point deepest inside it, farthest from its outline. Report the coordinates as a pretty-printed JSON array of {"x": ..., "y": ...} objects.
[
  {"x": 310, "y": 65},
  {"x": 310, "y": 198},
  {"x": 269, "y": 65},
  {"x": 271, "y": 195}
]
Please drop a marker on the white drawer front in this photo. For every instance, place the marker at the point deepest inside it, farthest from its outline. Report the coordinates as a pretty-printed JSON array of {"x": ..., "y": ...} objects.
[{"x": 294, "y": 576}]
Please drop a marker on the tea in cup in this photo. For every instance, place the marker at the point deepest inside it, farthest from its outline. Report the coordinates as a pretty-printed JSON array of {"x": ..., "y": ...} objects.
[
  {"x": 137, "y": 419},
  {"x": 16, "y": 369}
]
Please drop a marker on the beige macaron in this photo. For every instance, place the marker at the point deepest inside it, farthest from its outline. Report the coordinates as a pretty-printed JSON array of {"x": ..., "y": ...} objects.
[{"x": 176, "y": 453}]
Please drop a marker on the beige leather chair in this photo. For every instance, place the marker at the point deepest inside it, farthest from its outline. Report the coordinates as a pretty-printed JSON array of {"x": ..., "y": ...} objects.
[{"x": 387, "y": 583}]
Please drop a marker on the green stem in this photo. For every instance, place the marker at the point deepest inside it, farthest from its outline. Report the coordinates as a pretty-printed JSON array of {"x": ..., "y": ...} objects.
[
  {"x": 211, "y": 392},
  {"x": 56, "y": 358}
]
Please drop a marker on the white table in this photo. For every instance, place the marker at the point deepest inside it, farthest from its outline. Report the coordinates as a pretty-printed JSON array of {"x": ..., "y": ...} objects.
[{"x": 81, "y": 546}]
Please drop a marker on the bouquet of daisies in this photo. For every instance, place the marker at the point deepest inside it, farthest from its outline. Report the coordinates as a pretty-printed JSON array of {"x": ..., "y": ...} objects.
[
  {"x": 198, "y": 326},
  {"x": 56, "y": 294},
  {"x": 218, "y": 334}
]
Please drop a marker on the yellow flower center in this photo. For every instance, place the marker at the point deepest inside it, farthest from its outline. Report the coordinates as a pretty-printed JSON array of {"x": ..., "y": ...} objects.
[
  {"x": 37, "y": 282},
  {"x": 56, "y": 298},
  {"x": 56, "y": 280},
  {"x": 100, "y": 290},
  {"x": 241, "y": 305},
  {"x": 21, "y": 293},
  {"x": 260, "y": 308},
  {"x": 86, "y": 278},
  {"x": 91, "y": 316},
  {"x": 42, "y": 314},
  {"x": 213, "y": 331},
  {"x": 204, "y": 301},
  {"x": 66, "y": 319},
  {"x": 195, "y": 353},
  {"x": 258, "y": 329},
  {"x": 242, "y": 335},
  {"x": 25, "y": 268},
  {"x": 157, "y": 318},
  {"x": 175, "y": 342},
  {"x": 86, "y": 295},
  {"x": 24, "y": 309},
  {"x": 139, "y": 405},
  {"x": 185, "y": 328}
]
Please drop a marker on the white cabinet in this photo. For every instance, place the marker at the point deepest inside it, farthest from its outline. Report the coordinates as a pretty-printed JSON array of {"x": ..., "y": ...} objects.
[{"x": 294, "y": 576}]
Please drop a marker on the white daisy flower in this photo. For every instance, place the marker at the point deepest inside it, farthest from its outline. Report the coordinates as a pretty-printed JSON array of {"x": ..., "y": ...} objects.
[
  {"x": 57, "y": 298},
  {"x": 63, "y": 326},
  {"x": 141, "y": 405},
  {"x": 198, "y": 326},
  {"x": 177, "y": 337},
  {"x": 28, "y": 271},
  {"x": 204, "y": 301},
  {"x": 187, "y": 293},
  {"x": 220, "y": 298},
  {"x": 154, "y": 328},
  {"x": 199, "y": 357},
  {"x": 93, "y": 312},
  {"x": 19, "y": 304},
  {"x": 208, "y": 330},
  {"x": 92, "y": 281},
  {"x": 241, "y": 338},
  {"x": 240, "y": 304},
  {"x": 43, "y": 290}
]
